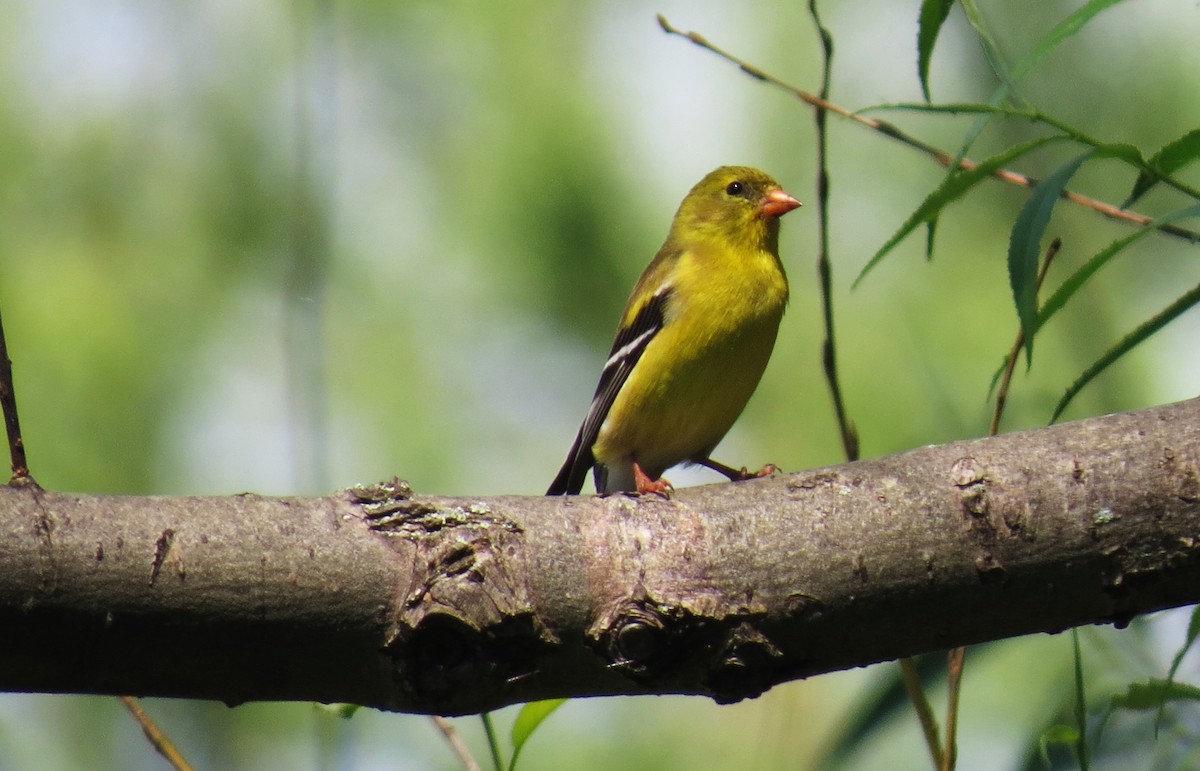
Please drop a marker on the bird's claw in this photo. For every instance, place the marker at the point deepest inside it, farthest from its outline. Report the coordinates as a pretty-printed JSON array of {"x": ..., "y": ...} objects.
[
  {"x": 744, "y": 473},
  {"x": 646, "y": 485}
]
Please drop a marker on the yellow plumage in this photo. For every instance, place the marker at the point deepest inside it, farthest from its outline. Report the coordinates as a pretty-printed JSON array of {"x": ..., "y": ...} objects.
[{"x": 693, "y": 341}]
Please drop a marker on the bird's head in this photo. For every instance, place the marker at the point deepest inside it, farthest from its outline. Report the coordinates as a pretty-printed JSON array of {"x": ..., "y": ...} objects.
[{"x": 737, "y": 204}]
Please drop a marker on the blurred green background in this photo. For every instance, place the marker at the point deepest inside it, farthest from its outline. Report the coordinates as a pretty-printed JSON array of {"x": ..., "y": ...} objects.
[{"x": 289, "y": 247}]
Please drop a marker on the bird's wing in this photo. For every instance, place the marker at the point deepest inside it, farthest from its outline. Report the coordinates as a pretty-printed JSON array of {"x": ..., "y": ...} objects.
[{"x": 631, "y": 342}]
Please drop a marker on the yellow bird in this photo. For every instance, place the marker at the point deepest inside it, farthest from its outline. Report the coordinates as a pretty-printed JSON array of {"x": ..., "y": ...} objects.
[{"x": 693, "y": 341}]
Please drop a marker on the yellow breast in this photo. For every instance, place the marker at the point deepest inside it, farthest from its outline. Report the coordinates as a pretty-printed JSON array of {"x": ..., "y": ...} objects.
[{"x": 697, "y": 374}]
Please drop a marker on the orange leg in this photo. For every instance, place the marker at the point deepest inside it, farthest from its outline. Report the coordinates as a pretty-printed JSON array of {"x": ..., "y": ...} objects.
[
  {"x": 647, "y": 485},
  {"x": 737, "y": 475}
]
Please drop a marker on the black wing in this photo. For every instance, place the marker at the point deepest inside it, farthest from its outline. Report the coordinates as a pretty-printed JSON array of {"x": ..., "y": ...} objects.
[{"x": 627, "y": 349}]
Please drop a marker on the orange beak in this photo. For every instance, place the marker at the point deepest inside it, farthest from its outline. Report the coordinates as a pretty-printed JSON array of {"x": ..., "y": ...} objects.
[{"x": 777, "y": 203}]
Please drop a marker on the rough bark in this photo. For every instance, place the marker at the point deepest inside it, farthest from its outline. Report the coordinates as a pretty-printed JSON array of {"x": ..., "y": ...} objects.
[{"x": 454, "y": 605}]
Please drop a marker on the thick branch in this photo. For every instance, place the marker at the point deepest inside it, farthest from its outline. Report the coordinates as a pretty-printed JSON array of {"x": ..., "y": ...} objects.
[{"x": 445, "y": 605}]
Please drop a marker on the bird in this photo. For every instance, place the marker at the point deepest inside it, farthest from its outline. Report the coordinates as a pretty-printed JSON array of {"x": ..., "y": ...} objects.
[{"x": 692, "y": 343}]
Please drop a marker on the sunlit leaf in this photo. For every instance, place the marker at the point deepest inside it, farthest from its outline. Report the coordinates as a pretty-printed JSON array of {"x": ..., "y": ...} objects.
[
  {"x": 344, "y": 711},
  {"x": 929, "y": 24},
  {"x": 1128, "y": 343},
  {"x": 1056, "y": 735},
  {"x": 527, "y": 721},
  {"x": 951, "y": 189}
]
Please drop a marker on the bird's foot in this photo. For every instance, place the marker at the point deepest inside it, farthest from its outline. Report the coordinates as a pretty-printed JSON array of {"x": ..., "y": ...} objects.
[
  {"x": 738, "y": 475},
  {"x": 768, "y": 470},
  {"x": 646, "y": 485}
]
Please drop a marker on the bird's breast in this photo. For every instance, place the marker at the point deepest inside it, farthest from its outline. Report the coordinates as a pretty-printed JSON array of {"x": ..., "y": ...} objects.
[{"x": 696, "y": 375}]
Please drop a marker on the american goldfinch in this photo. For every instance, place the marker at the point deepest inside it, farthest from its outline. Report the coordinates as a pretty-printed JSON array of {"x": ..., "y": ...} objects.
[{"x": 693, "y": 341}]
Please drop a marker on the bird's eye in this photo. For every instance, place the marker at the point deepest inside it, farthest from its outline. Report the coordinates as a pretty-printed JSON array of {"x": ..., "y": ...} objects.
[{"x": 735, "y": 188}]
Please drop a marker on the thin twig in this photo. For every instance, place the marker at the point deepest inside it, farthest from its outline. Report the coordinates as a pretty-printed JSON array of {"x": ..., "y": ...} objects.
[
  {"x": 916, "y": 694},
  {"x": 941, "y": 156},
  {"x": 157, "y": 738},
  {"x": 1010, "y": 363},
  {"x": 824, "y": 266},
  {"x": 954, "y": 670},
  {"x": 12, "y": 423},
  {"x": 456, "y": 743},
  {"x": 848, "y": 433}
]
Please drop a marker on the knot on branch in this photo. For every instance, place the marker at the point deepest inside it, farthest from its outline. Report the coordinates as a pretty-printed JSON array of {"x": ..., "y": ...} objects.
[
  {"x": 658, "y": 643},
  {"x": 637, "y": 641},
  {"x": 444, "y": 659},
  {"x": 463, "y": 621},
  {"x": 745, "y": 667}
]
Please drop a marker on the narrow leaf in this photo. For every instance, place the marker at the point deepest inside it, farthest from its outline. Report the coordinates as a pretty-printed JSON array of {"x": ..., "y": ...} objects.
[
  {"x": 1024, "y": 246},
  {"x": 528, "y": 720},
  {"x": 951, "y": 189},
  {"x": 1063, "y": 30},
  {"x": 955, "y": 108},
  {"x": 1193, "y": 631},
  {"x": 1171, "y": 158},
  {"x": 929, "y": 24},
  {"x": 1128, "y": 343},
  {"x": 1072, "y": 284},
  {"x": 1008, "y": 80},
  {"x": 991, "y": 50},
  {"x": 489, "y": 730}
]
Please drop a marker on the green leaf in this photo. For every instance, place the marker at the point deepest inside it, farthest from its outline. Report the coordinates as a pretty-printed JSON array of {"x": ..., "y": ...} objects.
[
  {"x": 528, "y": 720},
  {"x": 1128, "y": 343},
  {"x": 955, "y": 108},
  {"x": 1069, "y": 287},
  {"x": 1063, "y": 30},
  {"x": 1008, "y": 80},
  {"x": 489, "y": 730},
  {"x": 1025, "y": 245},
  {"x": 1172, "y": 157},
  {"x": 1193, "y": 632},
  {"x": 344, "y": 711},
  {"x": 1152, "y": 694},
  {"x": 929, "y": 24},
  {"x": 991, "y": 50},
  {"x": 951, "y": 189},
  {"x": 1063, "y": 735}
]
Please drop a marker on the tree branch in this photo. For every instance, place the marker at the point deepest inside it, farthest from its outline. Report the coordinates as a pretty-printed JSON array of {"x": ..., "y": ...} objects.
[
  {"x": 456, "y": 605},
  {"x": 940, "y": 156}
]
